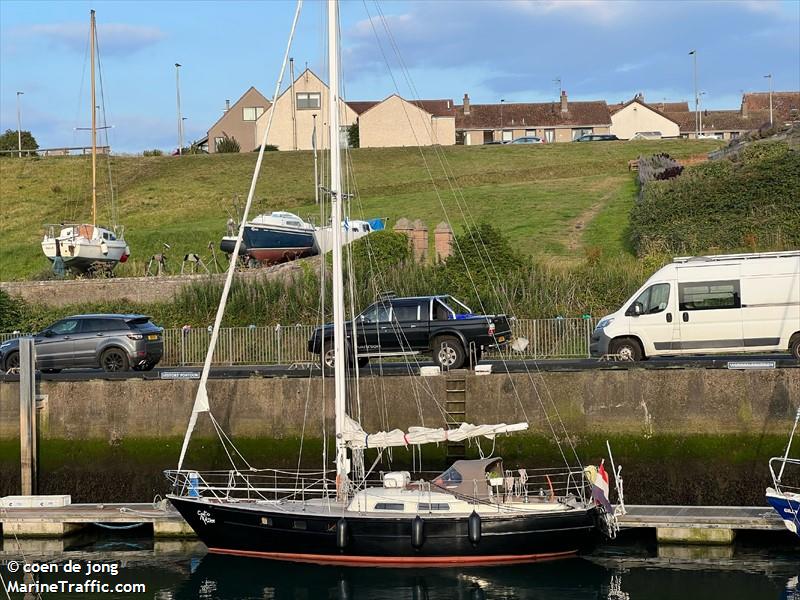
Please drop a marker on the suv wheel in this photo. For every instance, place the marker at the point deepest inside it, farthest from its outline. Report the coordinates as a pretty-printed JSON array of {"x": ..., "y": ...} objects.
[
  {"x": 448, "y": 353},
  {"x": 626, "y": 348},
  {"x": 113, "y": 360},
  {"x": 12, "y": 361}
]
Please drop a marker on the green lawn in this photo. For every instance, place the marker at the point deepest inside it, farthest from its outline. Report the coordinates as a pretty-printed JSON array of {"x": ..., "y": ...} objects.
[{"x": 558, "y": 199}]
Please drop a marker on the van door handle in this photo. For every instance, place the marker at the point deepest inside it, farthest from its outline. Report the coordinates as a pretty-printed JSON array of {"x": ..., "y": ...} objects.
[
  {"x": 685, "y": 317},
  {"x": 669, "y": 317}
]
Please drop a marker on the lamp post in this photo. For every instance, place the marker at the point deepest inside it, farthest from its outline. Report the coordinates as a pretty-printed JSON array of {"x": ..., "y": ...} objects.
[
  {"x": 19, "y": 126},
  {"x": 502, "y": 100},
  {"x": 693, "y": 53},
  {"x": 700, "y": 110},
  {"x": 770, "y": 97},
  {"x": 180, "y": 120}
]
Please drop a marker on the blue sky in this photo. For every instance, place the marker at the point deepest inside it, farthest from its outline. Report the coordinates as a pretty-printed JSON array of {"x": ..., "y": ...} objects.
[{"x": 490, "y": 49}]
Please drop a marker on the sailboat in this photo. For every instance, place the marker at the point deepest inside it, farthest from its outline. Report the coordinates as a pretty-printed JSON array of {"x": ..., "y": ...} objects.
[
  {"x": 86, "y": 247},
  {"x": 474, "y": 512},
  {"x": 783, "y": 497}
]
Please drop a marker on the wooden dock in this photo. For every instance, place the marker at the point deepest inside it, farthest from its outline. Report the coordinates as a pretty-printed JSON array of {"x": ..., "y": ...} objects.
[{"x": 677, "y": 524}]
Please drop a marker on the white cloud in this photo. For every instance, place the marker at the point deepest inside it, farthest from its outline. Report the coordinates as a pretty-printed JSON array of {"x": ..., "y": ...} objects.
[{"x": 113, "y": 38}]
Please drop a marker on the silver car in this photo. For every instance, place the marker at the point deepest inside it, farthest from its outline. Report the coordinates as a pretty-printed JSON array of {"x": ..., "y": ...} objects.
[{"x": 111, "y": 342}]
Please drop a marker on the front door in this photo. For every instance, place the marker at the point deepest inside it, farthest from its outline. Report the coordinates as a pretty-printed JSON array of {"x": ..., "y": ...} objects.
[
  {"x": 710, "y": 316},
  {"x": 369, "y": 325},
  {"x": 653, "y": 318},
  {"x": 54, "y": 347},
  {"x": 408, "y": 330}
]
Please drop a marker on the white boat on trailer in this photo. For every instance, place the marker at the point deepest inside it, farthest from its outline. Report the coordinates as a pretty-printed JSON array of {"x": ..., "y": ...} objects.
[{"x": 86, "y": 247}]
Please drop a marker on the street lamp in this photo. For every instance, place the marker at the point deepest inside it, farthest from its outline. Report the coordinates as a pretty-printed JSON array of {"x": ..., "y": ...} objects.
[
  {"x": 770, "y": 97},
  {"x": 180, "y": 120},
  {"x": 699, "y": 110},
  {"x": 19, "y": 126},
  {"x": 696, "y": 97},
  {"x": 502, "y": 100},
  {"x": 183, "y": 129}
]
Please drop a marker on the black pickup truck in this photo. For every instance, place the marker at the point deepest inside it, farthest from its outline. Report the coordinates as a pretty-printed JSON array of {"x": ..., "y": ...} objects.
[{"x": 437, "y": 325}]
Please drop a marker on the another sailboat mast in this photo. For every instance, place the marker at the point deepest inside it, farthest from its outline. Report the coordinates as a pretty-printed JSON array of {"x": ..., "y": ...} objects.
[
  {"x": 337, "y": 197},
  {"x": 94, "y": 131}
]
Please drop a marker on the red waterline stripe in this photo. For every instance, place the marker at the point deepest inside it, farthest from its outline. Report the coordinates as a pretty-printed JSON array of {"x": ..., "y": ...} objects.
[{"x": 410, "y": 561}]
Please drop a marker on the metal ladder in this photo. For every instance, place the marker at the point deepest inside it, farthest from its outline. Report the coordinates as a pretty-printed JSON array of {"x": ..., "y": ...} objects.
[{"x": 456, "y": 410}]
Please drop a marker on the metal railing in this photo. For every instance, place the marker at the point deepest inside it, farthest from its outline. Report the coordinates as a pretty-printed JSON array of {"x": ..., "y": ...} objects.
[{"x": 287, "y": 344}]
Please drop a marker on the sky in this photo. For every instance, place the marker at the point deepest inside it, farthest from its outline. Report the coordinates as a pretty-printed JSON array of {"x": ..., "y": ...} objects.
[{"x": 492, "y": 50}]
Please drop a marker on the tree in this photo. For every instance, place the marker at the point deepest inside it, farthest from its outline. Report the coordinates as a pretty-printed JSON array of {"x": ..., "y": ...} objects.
[
  {"x": 352, "y": 136},
  {"x": 9, "y": 141},
  {"x": 228, "y": 144}
]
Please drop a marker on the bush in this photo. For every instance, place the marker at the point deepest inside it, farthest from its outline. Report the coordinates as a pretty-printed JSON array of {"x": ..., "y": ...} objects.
[
  {"x": 153, "y": 152},
  {"x": 267, "y": 148},
  {"x": 227, "y": 144}
]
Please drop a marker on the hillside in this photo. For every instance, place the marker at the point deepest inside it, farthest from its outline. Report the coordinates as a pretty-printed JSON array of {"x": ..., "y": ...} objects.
[{"x": 554, "y": 200}]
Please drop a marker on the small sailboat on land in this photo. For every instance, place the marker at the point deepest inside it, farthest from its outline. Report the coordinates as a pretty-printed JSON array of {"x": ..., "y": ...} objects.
[
  {"x": 782, "y": 496},
  {"x": 86, "y": 248}
]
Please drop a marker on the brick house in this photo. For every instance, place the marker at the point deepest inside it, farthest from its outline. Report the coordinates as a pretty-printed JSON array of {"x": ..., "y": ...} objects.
[{"x": 239, "y": 121}]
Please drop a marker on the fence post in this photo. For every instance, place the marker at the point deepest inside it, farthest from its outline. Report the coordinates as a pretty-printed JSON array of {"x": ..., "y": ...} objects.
[
  {"x": 27, "y": 417},
  {"x": 280, "y": 343}
]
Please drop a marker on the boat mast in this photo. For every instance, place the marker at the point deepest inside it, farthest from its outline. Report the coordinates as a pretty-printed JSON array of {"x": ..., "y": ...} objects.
[
  {"x": 337, "y": 197},
  {"x": 94, "y": 131}
]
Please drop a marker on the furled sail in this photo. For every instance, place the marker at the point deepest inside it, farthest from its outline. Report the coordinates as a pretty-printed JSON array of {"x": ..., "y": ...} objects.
[{"x": 355, "y": 437}]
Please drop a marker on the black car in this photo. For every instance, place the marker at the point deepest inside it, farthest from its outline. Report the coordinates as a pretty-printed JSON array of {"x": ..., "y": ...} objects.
[
  {"x": 440, "y": 326},
  {"x": 111, "y": 342},
  {"x": 597, "y": 137}
]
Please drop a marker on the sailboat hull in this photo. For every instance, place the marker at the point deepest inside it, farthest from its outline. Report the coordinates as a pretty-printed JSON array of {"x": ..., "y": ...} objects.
[
  {"x": 788, "y": 507},
  {"x": 313, "y": 536},
  {"x": 83, "y": 255}
]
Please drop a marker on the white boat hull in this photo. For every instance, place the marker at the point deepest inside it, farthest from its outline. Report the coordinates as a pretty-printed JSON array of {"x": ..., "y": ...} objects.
[{"x": 82, "y": 254}]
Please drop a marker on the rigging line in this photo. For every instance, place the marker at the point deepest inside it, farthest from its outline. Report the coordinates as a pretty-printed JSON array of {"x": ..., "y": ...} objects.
[
  {"x": 221, "y": 432},
  {"x": 201, "y": 400},
  {"x": 404, "y": 69}
]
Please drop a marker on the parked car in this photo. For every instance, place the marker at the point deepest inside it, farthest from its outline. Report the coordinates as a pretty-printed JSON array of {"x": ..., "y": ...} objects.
[
  {"x": 440, "y": 326},
  {"x": 111, "y": 342},
  {"x": 528, "y": 139},
  {"x": 496, "y": 143},
  {"x": 646, "y": 135},
  {"x": 709, "y": 304},
  {"x": 597, "y": 137}
]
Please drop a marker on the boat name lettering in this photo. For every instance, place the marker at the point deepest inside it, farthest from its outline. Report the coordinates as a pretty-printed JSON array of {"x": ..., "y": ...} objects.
[{"x": 205, "y": 517}]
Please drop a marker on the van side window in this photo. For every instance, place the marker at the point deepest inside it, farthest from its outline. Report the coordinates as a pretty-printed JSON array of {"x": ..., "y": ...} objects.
[
  {"x": 709, "y": 295},
  {"x": 653, "y": 300}
]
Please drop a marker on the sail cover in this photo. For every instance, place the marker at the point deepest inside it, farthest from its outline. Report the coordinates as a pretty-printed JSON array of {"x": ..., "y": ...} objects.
[{"x": 356, "y": 437}]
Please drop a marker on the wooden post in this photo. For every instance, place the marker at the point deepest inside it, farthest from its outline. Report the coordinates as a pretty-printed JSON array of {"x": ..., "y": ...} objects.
[{"x": 27, "y": 416}]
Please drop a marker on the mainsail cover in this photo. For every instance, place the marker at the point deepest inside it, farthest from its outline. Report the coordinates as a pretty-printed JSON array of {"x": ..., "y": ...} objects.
[{"x": 355, "y": 437}]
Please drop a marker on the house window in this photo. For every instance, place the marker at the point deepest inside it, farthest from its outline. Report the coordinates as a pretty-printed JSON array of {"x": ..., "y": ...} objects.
[
  {"x": 218, "y": 141},
  {"x": 734, "y": 135},
  {"x": 529, "y": 132},
  {"x": 579, "y": 131},
  {"x": 251, "y": 113},
  {"x": 508, "y": 135},
  {"x": 549, "y": 135},
  {"x": 308, "y": 100},
  {"x": 709, "y": 295}
]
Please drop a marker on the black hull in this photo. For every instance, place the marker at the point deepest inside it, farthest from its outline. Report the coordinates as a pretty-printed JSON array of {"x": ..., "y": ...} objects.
[{"x": 266, "y": 532}]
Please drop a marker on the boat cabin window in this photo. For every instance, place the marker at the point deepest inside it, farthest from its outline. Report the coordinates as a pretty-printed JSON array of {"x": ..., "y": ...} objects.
[
  {"x": 292, "y": 223},
  {"x": 426, "y": 507},
  {"x": 397, "y": 506},
  {"x": 709, "y": 295},
  {"x": 377, "y": 313},
  {"x": 299, "y": 525},
  {"x": 449, "y": 478}
]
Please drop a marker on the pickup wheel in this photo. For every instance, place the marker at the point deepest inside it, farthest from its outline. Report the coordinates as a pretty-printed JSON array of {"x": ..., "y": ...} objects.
[{"x": 448, "y": 352}]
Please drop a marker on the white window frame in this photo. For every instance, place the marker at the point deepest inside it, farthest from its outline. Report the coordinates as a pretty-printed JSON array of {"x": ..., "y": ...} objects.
[
  {"x": 507, "y": 135},
  {"x": 306, "y": 98},
  {"x": 256, "y": 111}
]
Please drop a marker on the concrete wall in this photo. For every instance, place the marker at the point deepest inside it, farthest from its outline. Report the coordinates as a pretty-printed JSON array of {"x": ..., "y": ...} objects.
[
  {"x": 282, "y": 135},
  {"x": 637, "y": 402},
  {"x": 637, "y": 117},
  {"x": 133, "y": 289},
  {"x": 397, "y": 122}
]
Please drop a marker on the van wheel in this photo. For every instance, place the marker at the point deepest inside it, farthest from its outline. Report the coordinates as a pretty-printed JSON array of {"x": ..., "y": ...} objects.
[
  {"x": 794, "y": 346},
  {"x": 114, "y": 360},
  {"x": 448, "y": 353},
  {"x": 626, "y": 348}
]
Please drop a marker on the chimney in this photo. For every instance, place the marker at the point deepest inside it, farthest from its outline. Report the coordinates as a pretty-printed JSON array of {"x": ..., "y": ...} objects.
[
  {"x": 227, "y": 105},
  {"x": 466, "y": 104},
  {"x": 564, "y": 101}
]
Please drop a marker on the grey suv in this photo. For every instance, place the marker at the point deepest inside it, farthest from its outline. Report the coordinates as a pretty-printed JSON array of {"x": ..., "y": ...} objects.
[{"x": 111, "y": 342}]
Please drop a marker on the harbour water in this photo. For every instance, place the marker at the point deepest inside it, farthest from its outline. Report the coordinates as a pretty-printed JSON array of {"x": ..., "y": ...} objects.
[{"x": 635, "y": 568}]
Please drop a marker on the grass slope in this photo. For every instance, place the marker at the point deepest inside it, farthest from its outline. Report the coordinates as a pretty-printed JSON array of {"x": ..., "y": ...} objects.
[{"x": 555, "y": 199}]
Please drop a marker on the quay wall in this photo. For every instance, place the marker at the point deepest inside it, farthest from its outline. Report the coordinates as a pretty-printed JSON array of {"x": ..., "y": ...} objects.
[{"x": 684, "y": 436}]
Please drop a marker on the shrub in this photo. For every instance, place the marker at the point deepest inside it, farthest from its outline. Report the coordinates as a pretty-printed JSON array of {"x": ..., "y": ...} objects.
[
  {"x": 153, "y": 152},
  {"x": 267, "y": 148},
  {"x": 227, "y": 144}
]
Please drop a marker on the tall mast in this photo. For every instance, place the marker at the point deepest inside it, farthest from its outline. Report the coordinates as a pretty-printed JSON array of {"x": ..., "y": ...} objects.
[
  {"x": 94, "y": 132},
  {"x": 337, "y": 197}
]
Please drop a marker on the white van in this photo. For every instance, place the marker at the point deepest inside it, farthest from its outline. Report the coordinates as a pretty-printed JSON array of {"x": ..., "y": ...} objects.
[{"x": 709, "y": 304}]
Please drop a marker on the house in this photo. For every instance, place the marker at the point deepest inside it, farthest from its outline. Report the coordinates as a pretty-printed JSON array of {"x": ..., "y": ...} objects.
[
  {"x": 397, "y": 122},
  {"x": 785, "y": 105},
  {"x": 301, "y": 111},
  {"x": 239, "y": 121},
  {"x": 634, "y": 116},
  {"x": 561, "y": 121}
]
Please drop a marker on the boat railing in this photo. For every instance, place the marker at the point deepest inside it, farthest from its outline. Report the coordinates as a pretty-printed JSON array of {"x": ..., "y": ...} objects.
[
  {"x": 783, "y": 479},
  {"x": 256, "y": 485}
]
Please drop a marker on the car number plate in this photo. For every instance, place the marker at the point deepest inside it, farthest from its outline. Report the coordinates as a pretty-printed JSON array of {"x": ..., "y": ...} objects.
[{"x": 152, "y": 337}]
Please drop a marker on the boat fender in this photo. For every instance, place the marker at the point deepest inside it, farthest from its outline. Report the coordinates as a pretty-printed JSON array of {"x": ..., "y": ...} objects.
[
  {"x": 474, "y": 528},
  {"x": 342, "y": 534},
  {"x": 417, "y": 532}
]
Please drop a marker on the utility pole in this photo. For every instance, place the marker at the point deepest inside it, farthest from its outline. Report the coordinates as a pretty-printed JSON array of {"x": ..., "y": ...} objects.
[
  {"x": 700, "y": 110},
  {"x": 180, "y": 120},
  {"x": 294, "y": 106},
  {"x": 19, "y": 126},
  {"x": 502, "y": 100},
  {"x": 770, "y": 97},
  {"x": 693, "y": 53}
]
